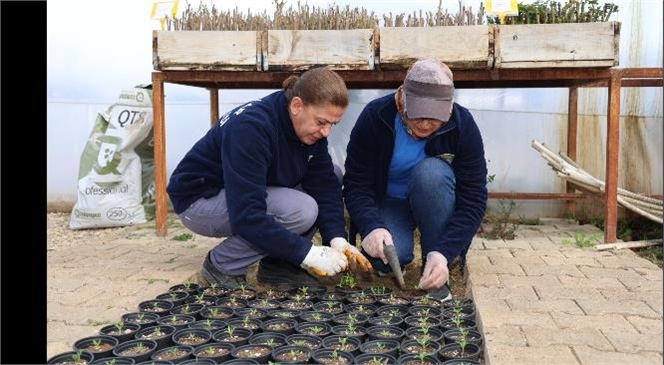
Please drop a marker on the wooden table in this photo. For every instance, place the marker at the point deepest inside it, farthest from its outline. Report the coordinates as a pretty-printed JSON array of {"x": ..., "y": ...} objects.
[{"x": 571, "y": 78}]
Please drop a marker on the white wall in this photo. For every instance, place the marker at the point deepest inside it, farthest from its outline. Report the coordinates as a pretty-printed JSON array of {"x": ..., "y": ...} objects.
[{"x": 508, "y": 118}]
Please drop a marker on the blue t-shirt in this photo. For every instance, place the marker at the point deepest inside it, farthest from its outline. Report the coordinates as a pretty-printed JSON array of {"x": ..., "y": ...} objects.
[{"x": 408, "y": 152}]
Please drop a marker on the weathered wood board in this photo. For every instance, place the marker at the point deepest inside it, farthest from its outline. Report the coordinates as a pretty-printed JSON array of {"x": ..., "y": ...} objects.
[
  {"x": 391, "y": 48},
  {"x": 207, "y": 50},
  {"x": 291, "y": 50},
  {"x": 466, "y": 47},
  {"x": 557, "y": 45}
]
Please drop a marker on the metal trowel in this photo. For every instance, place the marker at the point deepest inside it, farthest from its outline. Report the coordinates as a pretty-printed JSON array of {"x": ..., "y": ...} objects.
[{"x": 393, "y": 259}]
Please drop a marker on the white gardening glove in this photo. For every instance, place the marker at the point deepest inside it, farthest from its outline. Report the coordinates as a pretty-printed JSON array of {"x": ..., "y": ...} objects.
[
  {"x": 373, "y": 243},
  {"x": 324, "y": 261},
  {"x": 435, "y": 272},
  {"x": 354, "y": 256}
]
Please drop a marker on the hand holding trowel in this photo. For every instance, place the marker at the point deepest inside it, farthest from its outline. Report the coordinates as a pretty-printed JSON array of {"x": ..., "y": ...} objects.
[{"x": 378, "y": 243}]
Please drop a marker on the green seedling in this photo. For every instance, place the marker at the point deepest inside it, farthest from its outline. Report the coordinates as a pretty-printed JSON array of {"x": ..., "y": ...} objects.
[
  {"x": 183, "y": 237},
  {"x": 119, "y": 326},
  {"x": 230, "y": 330},
  {"x": 342, "y": 341},
  {"x": 299, "y": 342},
  {"x": 581, "y": 240}
]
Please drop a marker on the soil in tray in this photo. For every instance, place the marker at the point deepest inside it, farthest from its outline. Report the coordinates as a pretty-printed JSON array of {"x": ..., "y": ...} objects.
[
  {"x": 102, "y": 347},
  {"x": 297, "y": 356},
  {"x": 252, "y": 352}
]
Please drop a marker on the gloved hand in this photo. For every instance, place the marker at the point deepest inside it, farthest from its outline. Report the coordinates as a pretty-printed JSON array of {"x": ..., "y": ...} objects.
[
  {"x": 354, "y": 256},
  {"x": 324, "y": 261},
  {"x": 373, "y": 243},
  {"x": 435, "y": 272}
]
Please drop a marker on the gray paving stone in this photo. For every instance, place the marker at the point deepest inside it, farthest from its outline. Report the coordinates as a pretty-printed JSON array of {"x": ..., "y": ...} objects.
[
  {"x": 505, "y": 335},
  {"x": 545, "y": 337},
  {"x": 590, "y": 356},
  {"x": 596, "y": 283},
  {"x": 496, "y": 318},
  {"x": 543, "y": 269},
  {"x": 529, "y": 281},
  {"x": 512, "y": 355},
  {"x": 546, "y": 306},
  {"x": 561, "y": 292},
  {"x": 625, "y": 307},
  {"x": 606, "y": 323},
  {"x": 635, "y": 342},
  {"x": 648, "y": 326}
]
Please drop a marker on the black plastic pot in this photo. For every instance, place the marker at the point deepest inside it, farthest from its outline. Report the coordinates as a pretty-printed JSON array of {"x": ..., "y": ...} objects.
[
  {"x": 415, "y": 359},
  {"x": 472, "y": 336},
  {"x": 235, "y": 336},
  {"x": 206, "y": 300},
  {"x": 101, "y": 346},
  {"x": 216, "y": 351},
  {"x": 253, "y": 313},
  {"x": 215, "y": 291},
  {"x": 160, "y": 307},
  {"x": 392, "y": 310},
  {"x": 350, "y": 318},
  {"x": 428, "y": 347},
  {"x": 264, "y": 304},
  {"x": 332, "y": 296},
  {"x": 208, "y": 324},
  {"x": 375, "y": 359},
  {"x": 320, "y": 329},
  {"x": 333, "y": 307},
  {"x": 368, "y": 310},
  {"x": 319, "y": 355},
  {"x": 249, "y": 323},
  {"x": 121, "y": 361},
  {"x": 450, "y": 324},
  {"x": 161, "y": 334},
  {"x": 217, "y": 312},
  {"x": 386, "y": 321},
  {"x": 462, "y": 312},
  {"x": 143, "y": 319},
  {"x": 458, "y": 302},
  {"x": 193, "y": 337},
  {"x": 284, "y": 313},
  {"x": 129, "y": 349},
  {"x": 378, "y": 291},
  {"x": 190, "y": 309},
  {"x": 461, "y": 362},
  {"x": 358, "y": 332},
  {"x": 231, "y": 302},
  {"x": 435, "y": 334},
  {"x": 260, "y": 353},
  {"x": 272, "y": 339},
  {"x": 246, "y": 293},
  {"x": 291, "y": 354},
  {"x": 361, "y": 298},
  {"x": 284, "y": 326},
  {"x": 385, "y": 333},
  {"x": 308, "y": 341},
  {"x": 70, "y": 357},
  {"x": 426, "y": 300},
  {"x": 122, "y": 331},
  {"x": 316, "y": 317},
  {"x": 176, "y": 354},
  {"x": 175, "y": 297},
  {"x": 343, "y": 343},
  {"x": 452, "y": 351},
  {"x": 189, "y": 288},
  {"x": 179, "y": 321},
  {"x": 374, "y": 347},
  {"x": 424, "y": 310},
  {"x": 421, "y": 321},
  {"x": 297, "y": 304}
]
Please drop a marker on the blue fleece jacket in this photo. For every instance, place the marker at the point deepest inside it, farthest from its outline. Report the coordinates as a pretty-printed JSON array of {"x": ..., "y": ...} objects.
[
  {"x": 254, "y": 146},
  {"x": 368, "y": 157}
]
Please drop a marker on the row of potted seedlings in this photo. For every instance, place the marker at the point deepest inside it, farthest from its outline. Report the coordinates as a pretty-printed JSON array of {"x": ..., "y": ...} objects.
[{"x": 286, "y": 325}]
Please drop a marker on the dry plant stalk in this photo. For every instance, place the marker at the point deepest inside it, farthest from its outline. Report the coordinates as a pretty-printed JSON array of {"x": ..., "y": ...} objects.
[{"x": 309, "y": 17}]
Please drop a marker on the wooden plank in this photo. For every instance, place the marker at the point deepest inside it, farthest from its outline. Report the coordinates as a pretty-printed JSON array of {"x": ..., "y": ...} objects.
[
  {"x": 557, "y": 45},
  {"x": 631, "y": 244},
  {"x": 295, "y": 50},
  {"x": 206, "y": 50},
  {"x": 460, "y": 47}
]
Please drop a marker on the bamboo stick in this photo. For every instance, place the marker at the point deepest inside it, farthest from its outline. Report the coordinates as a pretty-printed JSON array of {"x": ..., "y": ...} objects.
[{"x": 631, "y": 244}]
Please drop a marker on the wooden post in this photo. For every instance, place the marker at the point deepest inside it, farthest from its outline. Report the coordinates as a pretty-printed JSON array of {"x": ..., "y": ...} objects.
[
  {"x": 161, "y": 202},
  {"x": 612, "y": 154},
  {"x": 572, "y": 125},
  {"x": 214, "y": 106}
]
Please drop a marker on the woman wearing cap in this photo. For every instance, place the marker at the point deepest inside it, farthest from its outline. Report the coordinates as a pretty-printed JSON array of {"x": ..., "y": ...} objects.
[{"x": 415, "y": 159}]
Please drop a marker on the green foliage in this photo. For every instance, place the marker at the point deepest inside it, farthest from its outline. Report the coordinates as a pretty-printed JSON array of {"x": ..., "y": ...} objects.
[
  {"x": 551, "y": 12},
  {"x": 582, "y": 240},
  {"x": 183, "y": 237},
  {"x": 347, "y": 280},
  {"x": 499, "y": 223}
]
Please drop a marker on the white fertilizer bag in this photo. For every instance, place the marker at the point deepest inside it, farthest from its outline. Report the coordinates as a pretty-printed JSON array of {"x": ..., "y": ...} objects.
[{"x": 115, "y": 179}]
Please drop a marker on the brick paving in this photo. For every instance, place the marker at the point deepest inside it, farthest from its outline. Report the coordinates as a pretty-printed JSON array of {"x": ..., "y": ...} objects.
[{"x": 537, "y": 300}]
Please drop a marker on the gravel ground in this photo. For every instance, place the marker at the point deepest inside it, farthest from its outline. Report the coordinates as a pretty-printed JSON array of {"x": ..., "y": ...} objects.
[{"x": 60, "y": 235}]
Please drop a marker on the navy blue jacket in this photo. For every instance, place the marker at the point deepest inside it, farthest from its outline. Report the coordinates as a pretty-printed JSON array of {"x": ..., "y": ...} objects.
[
  {"x": 254, "y": 146},
  {"x": 368, "y": 157}
]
